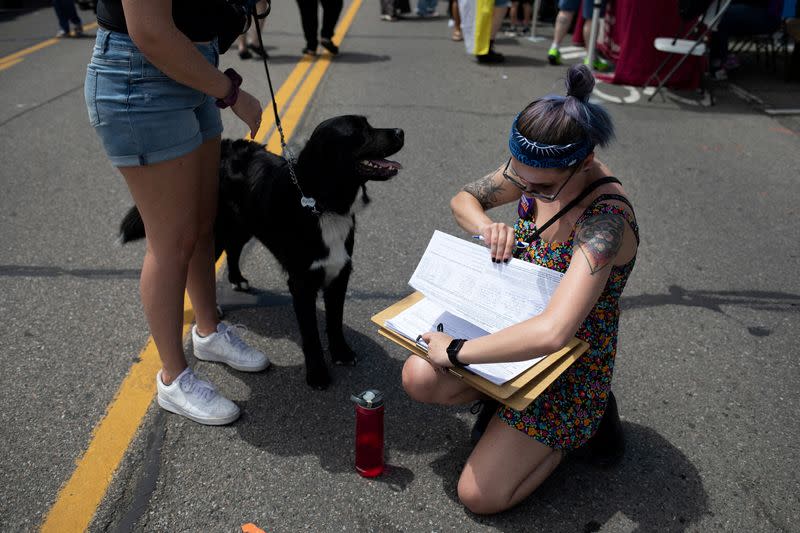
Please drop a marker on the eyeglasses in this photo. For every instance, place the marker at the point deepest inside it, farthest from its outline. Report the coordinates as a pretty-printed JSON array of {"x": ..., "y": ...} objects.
[{"x": 526, "y": 187}]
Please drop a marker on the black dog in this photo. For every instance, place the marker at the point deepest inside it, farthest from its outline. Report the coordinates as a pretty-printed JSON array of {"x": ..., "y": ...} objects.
[{"x": 258, "y": 198}]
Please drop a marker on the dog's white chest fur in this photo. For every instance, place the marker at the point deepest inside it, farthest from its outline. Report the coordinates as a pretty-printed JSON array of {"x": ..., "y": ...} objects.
[{"x": 335, "y": 228}]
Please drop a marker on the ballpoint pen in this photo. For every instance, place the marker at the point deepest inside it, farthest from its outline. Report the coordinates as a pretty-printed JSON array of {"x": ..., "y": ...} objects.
[{"x": 518, "y": 244}]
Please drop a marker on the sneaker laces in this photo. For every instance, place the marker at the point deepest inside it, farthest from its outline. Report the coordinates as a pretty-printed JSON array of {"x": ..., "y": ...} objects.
[
  {"x": 191, "y": 384},
  {"x": 231, "y": 335}
]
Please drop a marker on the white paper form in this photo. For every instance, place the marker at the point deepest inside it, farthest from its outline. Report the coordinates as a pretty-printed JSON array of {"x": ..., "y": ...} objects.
[
  {"x": 460, "y": 276},
  {"x": 425, "y": 315}
]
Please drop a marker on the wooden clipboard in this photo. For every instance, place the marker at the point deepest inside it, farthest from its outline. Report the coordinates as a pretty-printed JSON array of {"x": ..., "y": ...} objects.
[{"x": 517, "y": 393}]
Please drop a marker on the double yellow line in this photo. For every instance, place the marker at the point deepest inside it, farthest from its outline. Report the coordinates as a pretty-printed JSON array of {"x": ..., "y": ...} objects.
[
  {"x": 78, "y": 499},
  {"x": 17, "y": 57}
]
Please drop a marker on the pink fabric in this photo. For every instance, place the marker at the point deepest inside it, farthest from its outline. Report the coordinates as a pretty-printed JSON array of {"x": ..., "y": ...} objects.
[{"x": 631, "y": 28}]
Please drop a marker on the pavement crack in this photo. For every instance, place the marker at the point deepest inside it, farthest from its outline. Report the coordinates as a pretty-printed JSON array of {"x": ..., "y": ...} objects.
[
  {"x": 41, "y": 104},
  {"x": 149, "y": 478}
]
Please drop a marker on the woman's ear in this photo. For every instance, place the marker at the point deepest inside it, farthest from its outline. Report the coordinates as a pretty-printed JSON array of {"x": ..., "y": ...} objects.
[{"x": 588, "y": 162}]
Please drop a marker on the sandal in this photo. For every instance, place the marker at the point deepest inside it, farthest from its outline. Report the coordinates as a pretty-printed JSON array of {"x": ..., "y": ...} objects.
[{"x": 457, "y": 35}]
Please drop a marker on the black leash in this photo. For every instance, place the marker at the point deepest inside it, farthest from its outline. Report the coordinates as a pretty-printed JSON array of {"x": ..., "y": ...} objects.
[
  {"x": 583, "y": 194},
  {"x": 305, "y": 201}
]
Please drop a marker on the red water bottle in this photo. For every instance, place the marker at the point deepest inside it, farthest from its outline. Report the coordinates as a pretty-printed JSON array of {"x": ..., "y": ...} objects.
[{"x": 369, "y": 432}]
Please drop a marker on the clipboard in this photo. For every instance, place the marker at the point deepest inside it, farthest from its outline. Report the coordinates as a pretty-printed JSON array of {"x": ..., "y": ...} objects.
[{"x": 518, "y": 392}]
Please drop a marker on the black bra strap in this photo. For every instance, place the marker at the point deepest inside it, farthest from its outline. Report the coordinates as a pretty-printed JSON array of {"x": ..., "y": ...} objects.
[
  {"x": 584, "y": 193},
  {"x": 617, "y": 197}
]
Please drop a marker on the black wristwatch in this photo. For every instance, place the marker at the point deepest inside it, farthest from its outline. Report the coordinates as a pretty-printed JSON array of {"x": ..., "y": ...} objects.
[{"x": 453, "y": 349}]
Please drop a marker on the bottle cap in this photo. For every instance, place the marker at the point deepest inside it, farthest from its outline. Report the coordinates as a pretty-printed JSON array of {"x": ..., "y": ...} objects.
[{"x": 370, "y": 398}]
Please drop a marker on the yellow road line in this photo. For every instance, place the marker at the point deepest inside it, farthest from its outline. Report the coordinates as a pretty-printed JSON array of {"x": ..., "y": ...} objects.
[
  {"x": 16, "y": 57},
  {"x": 9, "y": 64},
  {"x": 79, "y": 498},
  {"x": 282, "y": 98}
]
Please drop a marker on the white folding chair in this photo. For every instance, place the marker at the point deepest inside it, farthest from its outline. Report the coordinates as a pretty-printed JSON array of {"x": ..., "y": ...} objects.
[{"x": 685, "y": 46}]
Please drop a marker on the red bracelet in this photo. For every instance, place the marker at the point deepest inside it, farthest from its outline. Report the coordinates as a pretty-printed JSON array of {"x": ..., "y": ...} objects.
[{"x": 233, "y": 94}]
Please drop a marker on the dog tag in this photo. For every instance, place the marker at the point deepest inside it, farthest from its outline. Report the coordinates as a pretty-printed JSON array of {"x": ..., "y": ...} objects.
[{"x": 308, "y": 202}]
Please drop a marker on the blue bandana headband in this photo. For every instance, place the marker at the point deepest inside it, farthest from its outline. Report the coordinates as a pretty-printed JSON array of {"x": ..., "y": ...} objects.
[{"x": 540, "y": 155}]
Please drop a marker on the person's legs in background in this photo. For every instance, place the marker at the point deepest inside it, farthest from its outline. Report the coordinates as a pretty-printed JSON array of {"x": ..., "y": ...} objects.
[
  {"x": 500, "y": 10},
  {"x": 566, "y": 12},
  {"x": 309, "y": 19},
  {"x": 600, "y": 63},
  {"x": 513, "y": 16},
  {"x": 738, "y": 20},
  {"x": 249, "y": 41},
  {"x": 527, "y": 13},
  {"x": 427, "y": 8},
  {"x": 66, "y": 13},
  {"x": 388, "y": 10},
  {"x": 456, "y": 18},
  {"x": 331, "y": 9},
  {"x": 499, "y": 14}
]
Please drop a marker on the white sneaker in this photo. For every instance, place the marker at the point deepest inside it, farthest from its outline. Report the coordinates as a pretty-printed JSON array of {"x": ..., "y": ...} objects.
[
  {"x": 227, "y": 347},
  {"x": 196, "y": 399}
]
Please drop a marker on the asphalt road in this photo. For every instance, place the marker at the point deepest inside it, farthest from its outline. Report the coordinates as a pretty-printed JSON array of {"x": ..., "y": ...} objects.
[{"x": 707, "y": 367}]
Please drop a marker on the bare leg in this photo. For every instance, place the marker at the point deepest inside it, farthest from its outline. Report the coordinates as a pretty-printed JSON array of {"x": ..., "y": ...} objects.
[
  {"x": 563, "y": 20},
  {"x": 505, "y": 467},
  {"x": 587, "y": 32},
  {"x": 427, "y": 384},
  {"x": 167, "y": 198},
  {"x": 201, "y": 280},
  {"x": 252, "y": 33},
  {"x": 497, "y": 19}
]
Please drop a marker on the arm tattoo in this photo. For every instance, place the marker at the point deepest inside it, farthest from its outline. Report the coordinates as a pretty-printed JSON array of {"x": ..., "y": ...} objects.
[
  {"x": 484, "y": 190},
  {"x": 600, "y": 238}
]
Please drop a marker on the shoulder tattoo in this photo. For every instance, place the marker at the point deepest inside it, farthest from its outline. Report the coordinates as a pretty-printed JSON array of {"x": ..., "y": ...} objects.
[
  {"x": 485, "y": 190},
  {"x": 600, "y": 238}
]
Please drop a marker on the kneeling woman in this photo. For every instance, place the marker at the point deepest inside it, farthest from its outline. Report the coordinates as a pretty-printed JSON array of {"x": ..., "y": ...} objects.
[{"x": 577, "y": 220}]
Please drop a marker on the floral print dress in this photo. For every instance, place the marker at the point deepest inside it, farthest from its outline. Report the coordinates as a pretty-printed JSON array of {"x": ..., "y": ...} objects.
[{"x": 569, "y": 411}]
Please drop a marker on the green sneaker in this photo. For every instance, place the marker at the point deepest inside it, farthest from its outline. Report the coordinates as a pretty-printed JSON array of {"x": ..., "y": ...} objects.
[
  {"x": 554, "y": 56},
  {"x": 600, "y": 64}
]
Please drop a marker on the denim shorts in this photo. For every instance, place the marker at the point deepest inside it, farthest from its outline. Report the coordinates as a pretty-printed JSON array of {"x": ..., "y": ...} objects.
[
  {"x": 141, "y": 115},
  {"x": 588, "y": 7}
]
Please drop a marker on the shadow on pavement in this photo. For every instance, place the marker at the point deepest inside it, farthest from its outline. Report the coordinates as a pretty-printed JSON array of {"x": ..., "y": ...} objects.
[
  {"x": 343, "y": 57},
  {"x": 287, "y": 418},
  {"x": 715, "y": 300},
  {"x": 654, "y": 488}
]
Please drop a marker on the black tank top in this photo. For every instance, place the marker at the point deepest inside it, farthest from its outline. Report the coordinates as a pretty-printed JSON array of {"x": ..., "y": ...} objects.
[{"x": 197, "y": 19}]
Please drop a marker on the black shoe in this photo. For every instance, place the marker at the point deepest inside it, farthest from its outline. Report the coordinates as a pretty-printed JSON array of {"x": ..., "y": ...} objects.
[
  {"x": 491, "y": 57},
  {"x": 245, "y": 54},
  {"x": 328, "y": 45},
  {"x": 607, "y": 445},
  {"x": 310, "y": 52},
  {"x": 485, "y": 409},
  {"x": 258, "y": 50}
]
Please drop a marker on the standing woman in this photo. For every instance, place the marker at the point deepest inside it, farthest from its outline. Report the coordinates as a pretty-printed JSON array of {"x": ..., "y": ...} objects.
[
  {"x": 153, "y": 93},
  {"x": 553, "y": 176}
]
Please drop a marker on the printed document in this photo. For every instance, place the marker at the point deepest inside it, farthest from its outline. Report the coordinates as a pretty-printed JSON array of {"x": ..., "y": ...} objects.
[{"x": 471, "y": 296}]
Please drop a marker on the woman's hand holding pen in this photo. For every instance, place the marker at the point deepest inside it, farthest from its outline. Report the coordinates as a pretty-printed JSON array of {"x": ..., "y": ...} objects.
[
  {"x": 500, "y": 239},
  {"x": 437, "y": 348}
]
